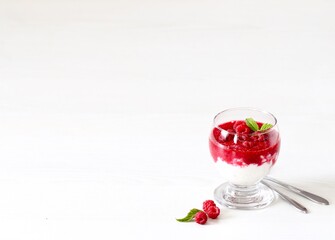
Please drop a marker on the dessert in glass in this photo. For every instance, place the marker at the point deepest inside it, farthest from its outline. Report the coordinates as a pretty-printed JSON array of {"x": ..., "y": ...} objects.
[{"x": 244, "y": 144}]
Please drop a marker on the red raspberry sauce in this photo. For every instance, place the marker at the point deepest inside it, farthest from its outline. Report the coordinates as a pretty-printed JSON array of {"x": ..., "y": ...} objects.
[{"x": 238, "y": 145}]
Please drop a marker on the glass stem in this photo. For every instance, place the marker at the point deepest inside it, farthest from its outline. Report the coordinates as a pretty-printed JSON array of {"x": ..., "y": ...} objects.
[{"x": 243, "y": 190}]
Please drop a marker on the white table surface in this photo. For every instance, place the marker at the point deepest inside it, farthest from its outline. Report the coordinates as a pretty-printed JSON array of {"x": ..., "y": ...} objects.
[{"x": 106, "y": 107}]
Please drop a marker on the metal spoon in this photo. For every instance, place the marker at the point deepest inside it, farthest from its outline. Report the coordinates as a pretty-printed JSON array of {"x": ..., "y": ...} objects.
[
  {"x": 288, "y": 199},
  {"x": 303, "y": 193}
]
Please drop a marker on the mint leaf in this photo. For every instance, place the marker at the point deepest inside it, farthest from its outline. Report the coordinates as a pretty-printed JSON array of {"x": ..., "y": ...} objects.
[
  {"x": 189, "y": 216},
  {"x": 266, "y": 126},
  {"x": 251, "y": 123}
]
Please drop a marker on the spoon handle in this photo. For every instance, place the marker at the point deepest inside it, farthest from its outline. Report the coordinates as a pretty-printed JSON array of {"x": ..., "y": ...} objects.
[
  {"x": 288, "y": 199},
  {"x": 310, "y": 196}
]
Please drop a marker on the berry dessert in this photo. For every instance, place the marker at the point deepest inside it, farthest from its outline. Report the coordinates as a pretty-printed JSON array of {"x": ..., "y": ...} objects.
[
  {"x": 244, "y": 143},
  {"x": 244, "y": 150}
]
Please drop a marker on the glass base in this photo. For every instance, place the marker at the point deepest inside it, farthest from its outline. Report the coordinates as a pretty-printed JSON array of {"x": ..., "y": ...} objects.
[{"x": 244, "y": 197}]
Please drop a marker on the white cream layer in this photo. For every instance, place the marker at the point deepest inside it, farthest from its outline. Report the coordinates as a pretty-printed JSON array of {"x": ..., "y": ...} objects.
[{"x": 243, "y": 175}]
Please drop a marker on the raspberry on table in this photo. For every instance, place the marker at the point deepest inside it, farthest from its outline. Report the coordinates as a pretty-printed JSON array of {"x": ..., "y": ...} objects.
[
  {"x": 208, "y": 203},
  {"x": 213, "y": 212},
  {"x": 210, "y": 210},
  {"x": 200, "y": 217}
]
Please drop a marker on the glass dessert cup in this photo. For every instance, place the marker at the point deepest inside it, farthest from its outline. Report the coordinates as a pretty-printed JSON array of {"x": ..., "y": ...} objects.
[{"x": 244, "y": 155}]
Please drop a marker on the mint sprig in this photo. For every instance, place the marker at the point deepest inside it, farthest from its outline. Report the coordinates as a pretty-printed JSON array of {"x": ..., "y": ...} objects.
[
  {"x": 252, "y": 124},
  {"x": 189, "y": 216},
  {"x": 265, "y": 126}
]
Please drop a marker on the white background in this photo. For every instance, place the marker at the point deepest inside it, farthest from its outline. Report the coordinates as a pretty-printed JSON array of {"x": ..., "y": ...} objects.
[{"x": 106, "y": 107}]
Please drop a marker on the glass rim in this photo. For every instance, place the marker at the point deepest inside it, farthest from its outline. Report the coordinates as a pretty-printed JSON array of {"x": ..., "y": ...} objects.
[{"x": 250, "y": 109}]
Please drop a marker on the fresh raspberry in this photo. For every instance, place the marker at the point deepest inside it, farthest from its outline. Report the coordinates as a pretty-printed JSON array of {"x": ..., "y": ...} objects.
[
  {"x": 241, "y": 127},
  {"x": 237, "y": 123},
  {"x": 258, "y": 138},
  {"x": 229, "y": 138},
  {"x": 243, "y": 137},
  {"x": 200, "y": 217},
  {"x": 208, "y": 203},
  {"x": 213, "y": 212},
  {"x": 248, "y": 144}
]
